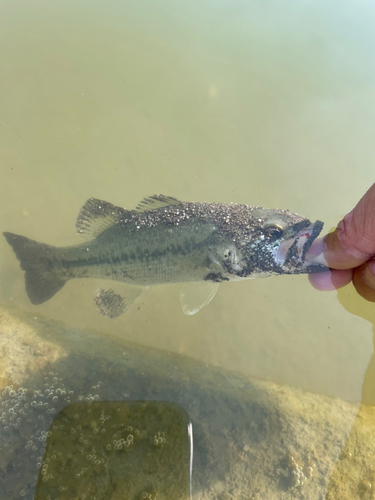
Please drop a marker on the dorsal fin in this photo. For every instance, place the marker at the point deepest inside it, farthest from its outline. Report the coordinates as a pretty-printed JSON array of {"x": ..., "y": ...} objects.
[
  {"x": 156, "y": 201},
  {"x": 97, "y": 215}
]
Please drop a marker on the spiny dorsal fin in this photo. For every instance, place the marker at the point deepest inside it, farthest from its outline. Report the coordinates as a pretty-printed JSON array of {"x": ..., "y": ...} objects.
[
  {"x": 156, "y": 201},
  {"x": 97, "y": 215}
]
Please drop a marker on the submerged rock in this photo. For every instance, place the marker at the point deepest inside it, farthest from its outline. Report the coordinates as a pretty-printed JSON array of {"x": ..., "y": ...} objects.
[
  {"x": 69, "y": 397},
  {"x": 21, "y": 349}
]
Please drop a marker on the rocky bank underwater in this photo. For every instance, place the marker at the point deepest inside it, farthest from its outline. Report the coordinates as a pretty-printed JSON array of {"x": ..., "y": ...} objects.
[{"x": 87, "y": 416}]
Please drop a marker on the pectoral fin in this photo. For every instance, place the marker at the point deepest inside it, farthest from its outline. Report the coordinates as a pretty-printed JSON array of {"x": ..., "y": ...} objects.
[
  {"x": 111, "y": 303},
  {"x": 194, "y": 296}
]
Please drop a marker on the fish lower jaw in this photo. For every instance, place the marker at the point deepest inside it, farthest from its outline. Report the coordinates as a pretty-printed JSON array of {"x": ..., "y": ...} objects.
[{"x": 295, "y": 248}]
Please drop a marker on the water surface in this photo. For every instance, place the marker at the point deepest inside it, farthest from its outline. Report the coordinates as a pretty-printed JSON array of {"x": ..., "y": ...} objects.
[{"x": 263, "y": 103}]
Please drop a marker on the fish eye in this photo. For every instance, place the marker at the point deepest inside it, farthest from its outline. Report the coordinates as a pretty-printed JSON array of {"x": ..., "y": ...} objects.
[{"x": 273, "y": 230}]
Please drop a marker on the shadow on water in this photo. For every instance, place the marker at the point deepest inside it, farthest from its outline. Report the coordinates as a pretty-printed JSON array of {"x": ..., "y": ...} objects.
[{"x": 349, "y": 467}]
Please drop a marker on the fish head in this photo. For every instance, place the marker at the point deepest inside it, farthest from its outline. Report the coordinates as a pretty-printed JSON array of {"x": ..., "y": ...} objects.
[{"x": 273, "y": 242}]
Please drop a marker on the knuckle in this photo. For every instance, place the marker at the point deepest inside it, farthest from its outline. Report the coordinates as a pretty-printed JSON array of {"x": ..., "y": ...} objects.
[{"x": 355, "y": 234}]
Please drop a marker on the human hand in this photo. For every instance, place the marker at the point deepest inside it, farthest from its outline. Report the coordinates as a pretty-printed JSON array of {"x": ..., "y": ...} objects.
[{"x": 349, "y": 251}]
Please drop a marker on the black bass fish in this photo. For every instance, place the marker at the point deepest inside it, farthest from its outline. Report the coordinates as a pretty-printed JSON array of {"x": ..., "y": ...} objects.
[{"x": 165, "y": 240}]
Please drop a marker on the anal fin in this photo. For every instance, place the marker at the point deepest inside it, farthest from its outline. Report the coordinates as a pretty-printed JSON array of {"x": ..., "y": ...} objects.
[
  {"x": 112, "y": 302},
  {"x": 194, "y": 296}
]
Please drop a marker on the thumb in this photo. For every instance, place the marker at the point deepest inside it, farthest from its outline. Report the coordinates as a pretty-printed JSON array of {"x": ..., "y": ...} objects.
[
  {"x": 343, "y": 248},
  {"x": 345, "y": 267},
  {"x": 349, "y": 251},
  {"x": 353, "y": 241},
  {"x": 336, "y": 251}
]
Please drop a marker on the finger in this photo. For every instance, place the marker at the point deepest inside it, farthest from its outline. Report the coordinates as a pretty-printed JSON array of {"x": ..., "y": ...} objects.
[
  {"x": 353, "y": 241},
  {"x": 331, "y": 280},
  {"x": 361, "y": 276},
  {"x": 336, "y": 252},
  {"x": 369, "y": 274},
  {"x": 329, "y": 252},
  {"x": 340, "y": 252}
]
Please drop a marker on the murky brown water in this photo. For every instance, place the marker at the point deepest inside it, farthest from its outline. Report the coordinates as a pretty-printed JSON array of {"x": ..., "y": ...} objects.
[{"x": 261, "y": 103}]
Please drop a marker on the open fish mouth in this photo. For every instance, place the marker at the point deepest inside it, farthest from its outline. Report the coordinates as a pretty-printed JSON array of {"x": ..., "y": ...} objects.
[{"x": 292, "y": 252}]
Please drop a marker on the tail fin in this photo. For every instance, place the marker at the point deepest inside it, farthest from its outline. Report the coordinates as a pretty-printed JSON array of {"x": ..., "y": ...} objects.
[{"x": 38, "y": 260}]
